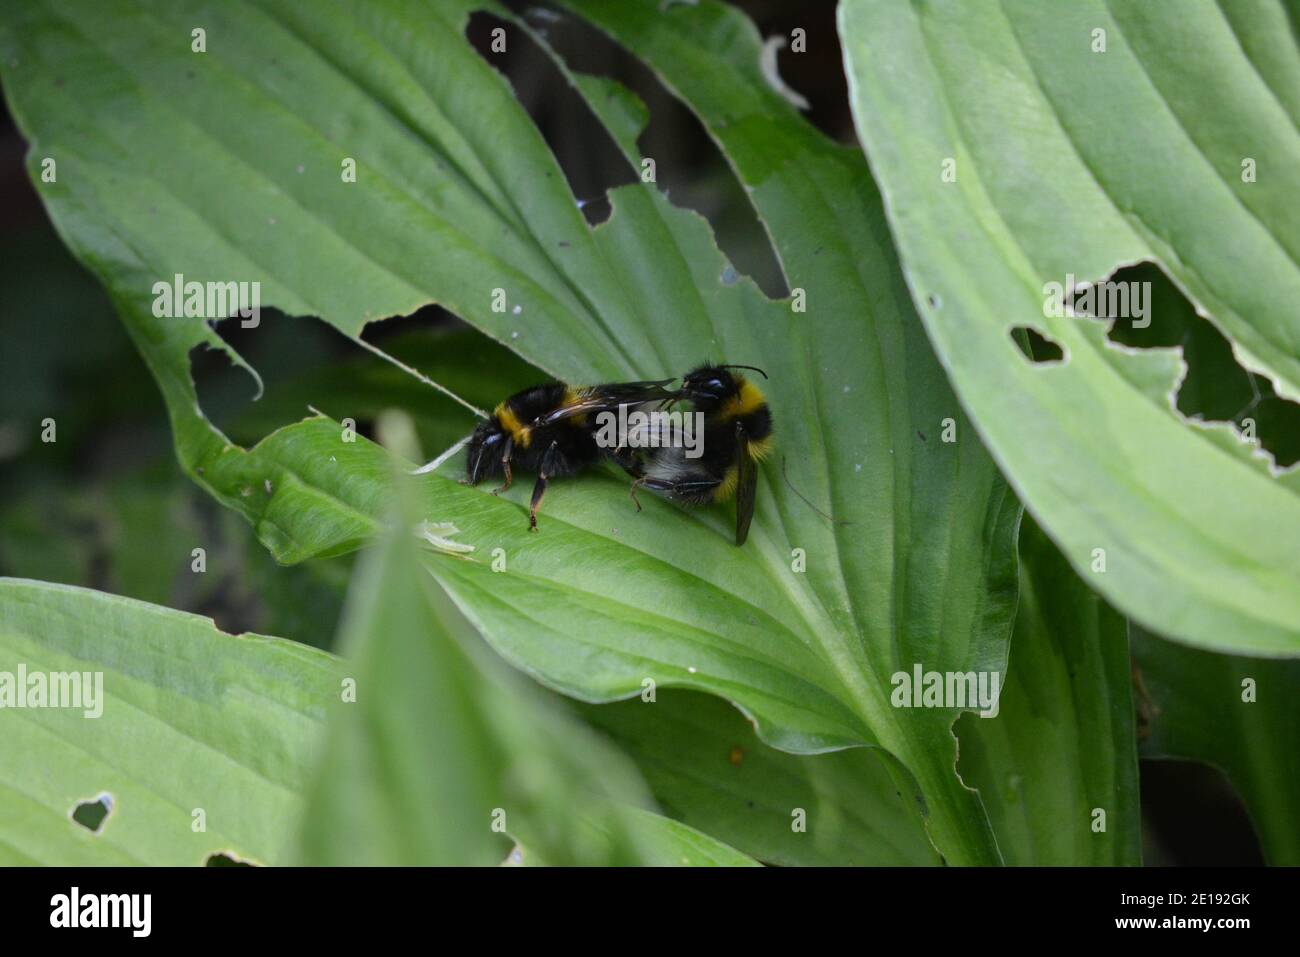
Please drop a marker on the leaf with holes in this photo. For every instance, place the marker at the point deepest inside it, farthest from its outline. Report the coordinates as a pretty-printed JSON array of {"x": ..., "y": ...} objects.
[
  {"x": 457, "y": 200},
  {"x": 195, "y": 742},
  {"x": 1022, "y": 144}
]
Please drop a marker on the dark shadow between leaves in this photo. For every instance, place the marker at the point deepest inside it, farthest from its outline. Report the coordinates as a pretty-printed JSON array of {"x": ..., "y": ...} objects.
[{"x": 689, "y": 166}]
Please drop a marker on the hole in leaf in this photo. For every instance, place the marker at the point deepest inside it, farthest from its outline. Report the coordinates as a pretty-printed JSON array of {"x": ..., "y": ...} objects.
[
  {"x": 1216, "y": 387},
  {"x": 226, "y": 859},
  {"x": 91, "y": 814},
  {"x": 1035, "y": 346},
  {"x": 596, "y": 211}
]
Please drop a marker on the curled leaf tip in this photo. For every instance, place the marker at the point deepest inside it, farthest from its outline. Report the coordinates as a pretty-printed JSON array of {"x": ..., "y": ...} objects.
[{"x": 767, "y": 64}]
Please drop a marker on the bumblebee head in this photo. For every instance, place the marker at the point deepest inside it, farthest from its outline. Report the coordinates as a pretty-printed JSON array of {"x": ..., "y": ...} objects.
[
  {"x": 483, "y": 452},
  {"x": 709, "y": 386}
]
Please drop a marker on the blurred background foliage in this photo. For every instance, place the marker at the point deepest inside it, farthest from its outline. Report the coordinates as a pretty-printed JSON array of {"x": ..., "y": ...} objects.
[{"x": 106, "y": 507}]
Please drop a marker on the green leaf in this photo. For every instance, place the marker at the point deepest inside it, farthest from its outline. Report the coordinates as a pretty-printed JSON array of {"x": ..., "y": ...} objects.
[
  {"x": 664, "y": 842},
  {"x": 192, "y": 719},
  {"x": 1193, "y": 705},
  {"x": 1075, "y": 162},
  {"x": 442, "y": 751},
  {"x": 457, "y": 196},
  {"x": 660, "y": 842},
  {"x": 868, "y": 376},
  {"x": 708, "y": 769},
  {"x": 1061, "y": 745}
]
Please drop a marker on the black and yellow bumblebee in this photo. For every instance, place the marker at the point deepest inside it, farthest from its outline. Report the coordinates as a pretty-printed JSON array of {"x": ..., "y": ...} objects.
[
  {"x": 737, "y": 436},
  {"x": 547, "y": 429}
]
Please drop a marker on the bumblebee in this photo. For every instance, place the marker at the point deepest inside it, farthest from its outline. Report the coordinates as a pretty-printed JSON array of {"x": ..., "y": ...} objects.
[
  {"x": 737, "y": 436},
  {"x": 547, "y": 430}
]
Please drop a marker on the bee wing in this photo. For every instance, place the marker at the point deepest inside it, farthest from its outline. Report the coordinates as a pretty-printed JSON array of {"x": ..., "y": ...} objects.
[
  {"x": 602, "y": 397},
  {"x": 746, "y": 484}
]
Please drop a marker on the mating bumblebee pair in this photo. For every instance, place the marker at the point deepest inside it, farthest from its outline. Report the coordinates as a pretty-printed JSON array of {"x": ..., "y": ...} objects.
[{"x": 550, "y": 429}]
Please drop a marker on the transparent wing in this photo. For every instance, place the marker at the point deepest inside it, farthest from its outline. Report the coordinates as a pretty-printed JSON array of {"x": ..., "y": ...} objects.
[{"x": 599, "y": 398}]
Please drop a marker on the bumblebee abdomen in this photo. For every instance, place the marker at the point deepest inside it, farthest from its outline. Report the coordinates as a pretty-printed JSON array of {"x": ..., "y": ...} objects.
[
  {"x": 518, "y": 414},
  {"x": 726, "y": 489}
]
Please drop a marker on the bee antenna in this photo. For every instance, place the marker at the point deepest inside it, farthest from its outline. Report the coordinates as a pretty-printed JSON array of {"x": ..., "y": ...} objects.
[
  {"x": 751, "y": 368},
  {"x": 804, "y": 499}
]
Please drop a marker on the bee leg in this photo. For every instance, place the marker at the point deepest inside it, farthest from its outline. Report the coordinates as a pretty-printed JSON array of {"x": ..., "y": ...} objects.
[
  {"x": 474, "y": 464},
  {"x": 539, "y": 489},
  {"x": 696, "y": 491},
  {"x": 505, "y": 464},
  {"x": 627, "y": 460}
]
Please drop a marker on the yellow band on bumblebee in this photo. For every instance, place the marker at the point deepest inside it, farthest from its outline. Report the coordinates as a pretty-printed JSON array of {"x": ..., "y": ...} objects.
[
  {"x": 521, "y": 433},
  {"x": 573, "y": 395},
  {"x": 748, "y": 399},
  {"x": 727, "y": 487}
]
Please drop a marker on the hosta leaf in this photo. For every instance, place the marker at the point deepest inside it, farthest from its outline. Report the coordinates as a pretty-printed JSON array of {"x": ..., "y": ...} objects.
[
  {"x": 658, "y": 841},
  {"x": 193, "y": 720},
  {"x": 1084, "y": 137},
  {"x": 821, "y": 210},
  {"x": 1241, "y": 715},
  {"x": 663, "y": 842},
  {"x": 457, "y": 196},
  {"x": 443, "y": 753},
  {"x": 1061, "y": 747},
  {"x": 708, "y": 769}
]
